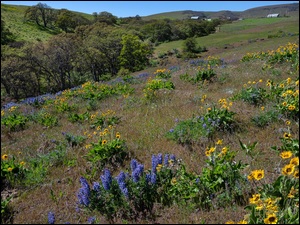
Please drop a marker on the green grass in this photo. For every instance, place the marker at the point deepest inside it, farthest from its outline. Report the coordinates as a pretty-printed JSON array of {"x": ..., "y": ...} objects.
[
  {"x": 56, "y": 165},
  {"x": 241, "y": 32},
  {"x": 14, "y": 20}
]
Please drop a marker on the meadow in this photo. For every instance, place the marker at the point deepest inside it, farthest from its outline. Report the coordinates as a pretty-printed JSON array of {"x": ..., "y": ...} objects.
[{"x": 207, "y": 140}]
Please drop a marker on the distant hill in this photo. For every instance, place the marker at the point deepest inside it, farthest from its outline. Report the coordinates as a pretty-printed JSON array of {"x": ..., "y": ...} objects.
[
  {"x": 13, "y": 15},
  {"x": 282, "y": 9}
]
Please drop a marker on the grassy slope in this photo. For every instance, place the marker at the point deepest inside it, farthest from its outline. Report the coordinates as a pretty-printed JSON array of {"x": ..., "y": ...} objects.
[
  {"x": 143, "y": 127},
  {"x": 241, "y": 31},
  {"x": 13, "y": 15}
]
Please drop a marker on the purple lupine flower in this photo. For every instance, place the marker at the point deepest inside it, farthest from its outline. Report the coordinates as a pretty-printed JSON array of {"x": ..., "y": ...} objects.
[
  {"x": 84, "y": 192},
  {"x": 83, "y": 182},
  {"x": 91, "y": 220},
  {"x": 166, "y": 160},
  {"x": 154, "y": 163},
  {"x": 106, "y": 179},
  {"x": 137, "y": 173},
  {"x": 204, "y": 125},
  {"x": 121, "y": 183},
  {"x": 171, "y": 130},
  {"x": 159, "y": 158},
  {"x": 197, "y": 180},
  {"x": 133, "y": 164},
  {"x": 96, "y": 186},
  {"x": 51, "y": 218},
  {"x": 83, "y": 196},
  {"x": 153, "y": 178},
  {"x": 148, "y": 178}
]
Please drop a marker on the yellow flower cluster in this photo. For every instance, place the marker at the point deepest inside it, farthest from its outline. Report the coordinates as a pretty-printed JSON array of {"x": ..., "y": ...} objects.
[
  {"x": 269, "y": 205},
  {"x": 224, "y": 104},
  {"x": 210, "y": 150},
  {"x": 161, "y": 71},
  {"x": 256, "y": 174},
  {"x": 13, "y": 108}
]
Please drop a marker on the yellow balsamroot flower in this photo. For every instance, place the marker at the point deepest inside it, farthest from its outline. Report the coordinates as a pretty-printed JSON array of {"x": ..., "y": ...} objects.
[
  {"x": 9, "y": 169},
  {"x": 242, "y": 222},
  {"x": 230, "y": 222},
  {"x": 22, "y": 163},
  {"x": 281, "y": 85},
  {"x": 258, "y": 174},
  {"x": 219, "y": 142},
  {"x": 104, "y": 142},
  {"x": 287, "y": 135},
  {"x": 2, "y": 113},
  {"x": 262, "y": 108},
  {"x": 287, "y": 122},
  {"x": 295, "y": 161},
  {"x": 212, "y": 149},
  {"x": 250, "y": 176},
  {"x": 286, "y": 154},
  {"x": 245, "y": 85},
  {"x": 260, "y": 81},
  {"x": 292, "y": 192},
  {"x": 207, "y": 153},
  {"x": 271, "y": 219},
  {"x": 118, "y": 135},
  {"x": 259, "y": 205},
  {"x": 284, "y": 103},
  {"x": 88, "y": 146},
  {"x": 158, "y": 168},
  {"x": 4, "y": 157},
  {"x": 224, "y": 150},
  {"x": 208, "y": 109},
  {"x": 288, "y": 80},
  {"x": 296, "y": 174},
  {"x": 173, "y": 181},
  {"x": 291, "y": 107},
  {"x": 255, "y": 199},
  {"x": 288, "y": 169}
]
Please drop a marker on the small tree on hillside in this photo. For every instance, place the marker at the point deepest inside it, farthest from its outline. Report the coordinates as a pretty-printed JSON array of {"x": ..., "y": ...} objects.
[{"x": 134, "y": 53}]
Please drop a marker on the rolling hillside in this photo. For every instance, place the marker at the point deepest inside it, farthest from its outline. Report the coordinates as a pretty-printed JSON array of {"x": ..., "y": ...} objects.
[
  {"x": 13, "y": 15},
  {"x": 283, "y": 9}
]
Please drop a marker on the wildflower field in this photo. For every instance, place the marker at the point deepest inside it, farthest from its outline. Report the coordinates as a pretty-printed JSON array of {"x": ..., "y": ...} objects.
[{"x": 207, "y": 140}]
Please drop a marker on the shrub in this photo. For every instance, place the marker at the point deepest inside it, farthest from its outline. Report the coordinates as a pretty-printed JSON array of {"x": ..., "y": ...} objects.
[
  {"x": 13, "y": 119},
  {"x": 252, "y": 94},
  {"x": 215, "y": 119},
  {"x": 12, "y": 171},
  {"x": 110, "y": 148},
  {"x": 150, "y": 90}
]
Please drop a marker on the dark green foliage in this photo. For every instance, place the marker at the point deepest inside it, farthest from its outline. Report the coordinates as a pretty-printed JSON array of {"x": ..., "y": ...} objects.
[{"x": 265, "y": 118}]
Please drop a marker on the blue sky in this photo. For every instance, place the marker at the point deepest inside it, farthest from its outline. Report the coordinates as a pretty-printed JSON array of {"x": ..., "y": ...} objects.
[{"x": 146, "y": 8}]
